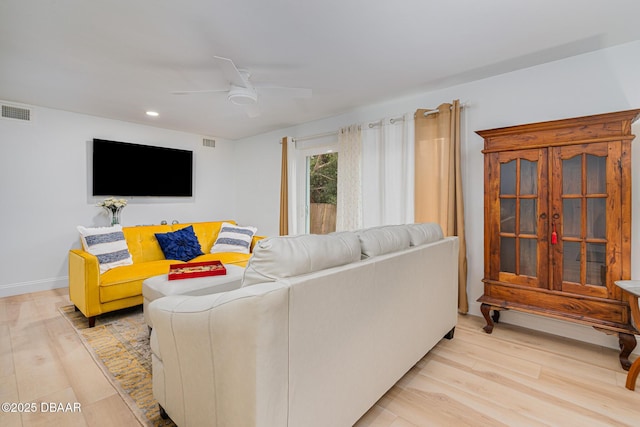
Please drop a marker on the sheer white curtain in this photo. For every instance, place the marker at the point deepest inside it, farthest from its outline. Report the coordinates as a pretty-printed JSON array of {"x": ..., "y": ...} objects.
[
  {"x": 292, "y": 188},
  {"x": 349, "y": 197},
  {"x": 388, "y": 171}
]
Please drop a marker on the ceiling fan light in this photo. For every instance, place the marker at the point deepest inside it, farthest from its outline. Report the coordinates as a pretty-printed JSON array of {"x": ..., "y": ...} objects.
[{"x": 243, "y": 96}]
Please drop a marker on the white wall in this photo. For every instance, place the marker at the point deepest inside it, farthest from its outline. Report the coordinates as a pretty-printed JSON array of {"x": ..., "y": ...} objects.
[
  {"x": 43, "y": 167},
  {"x": 45, "y": 191},
  {"x": 599, "y": 82}
]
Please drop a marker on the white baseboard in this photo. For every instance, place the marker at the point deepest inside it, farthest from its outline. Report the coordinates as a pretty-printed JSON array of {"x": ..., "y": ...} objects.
[{"x": 20, "y": 288}]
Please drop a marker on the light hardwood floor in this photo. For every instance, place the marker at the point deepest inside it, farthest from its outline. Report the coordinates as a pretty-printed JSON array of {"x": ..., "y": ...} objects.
[{"x": 514, "y": 377}]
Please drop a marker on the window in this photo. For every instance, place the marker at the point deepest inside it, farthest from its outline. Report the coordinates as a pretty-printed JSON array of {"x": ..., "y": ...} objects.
[
  {"x": 317, "y": 178},
  {"x": 322, "y": 185}
]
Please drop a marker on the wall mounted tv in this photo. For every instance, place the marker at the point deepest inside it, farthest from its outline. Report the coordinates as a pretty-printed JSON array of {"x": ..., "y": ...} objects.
[{"x": 124, "y": 169}]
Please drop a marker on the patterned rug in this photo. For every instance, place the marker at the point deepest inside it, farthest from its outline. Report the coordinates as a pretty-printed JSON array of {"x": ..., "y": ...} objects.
[{"x": 119, "y": 343}]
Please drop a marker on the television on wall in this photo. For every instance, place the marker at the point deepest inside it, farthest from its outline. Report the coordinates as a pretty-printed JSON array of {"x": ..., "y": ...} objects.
[{"x": 125, "y": 169}]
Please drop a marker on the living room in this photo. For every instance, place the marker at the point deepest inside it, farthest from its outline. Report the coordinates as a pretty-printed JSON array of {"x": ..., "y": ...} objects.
[{"x": 45, "y": 184}]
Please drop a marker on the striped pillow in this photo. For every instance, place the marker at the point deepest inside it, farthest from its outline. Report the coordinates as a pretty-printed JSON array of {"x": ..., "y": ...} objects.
[
  {"x": 107, "y": 244},
  {"x": 233, "y": 238}
]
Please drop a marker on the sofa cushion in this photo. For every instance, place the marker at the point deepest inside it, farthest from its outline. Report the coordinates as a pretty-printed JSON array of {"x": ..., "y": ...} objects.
[
  {"x": 303, "y": 254},
  {"x": 126, "y": 281},
  {"x": 138, "y": 271},
  {"x": 206, "y": 232},
  {"x": 181, "y": 245},
  {"x": 423, "y": 233},
  {"x": 233, "y": 238},
  {"x": 235, "y": 258},
  {"x": 142, "y": 242},
  {"x": 107, "y": 244},
  {"x": 383, "y": 240}
]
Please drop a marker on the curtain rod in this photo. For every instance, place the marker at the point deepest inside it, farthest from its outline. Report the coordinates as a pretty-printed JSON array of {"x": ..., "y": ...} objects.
[
  {"x": 371, "y": 125},
  {"x": 392, "y": 121},
  {"x": 325, "y": 134},
  {"x": 435, "y": 110},
  {"x": 316, "y": 136}
]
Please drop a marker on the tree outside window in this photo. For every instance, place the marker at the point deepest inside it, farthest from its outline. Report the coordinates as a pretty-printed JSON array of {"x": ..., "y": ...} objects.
[{"x": 323, "y": 192}]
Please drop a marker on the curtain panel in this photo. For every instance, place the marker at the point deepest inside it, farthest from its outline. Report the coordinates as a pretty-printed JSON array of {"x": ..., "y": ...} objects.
[
  {"x": 288, "y": 222},
  {"x": 387, "y": 171},
  {"x": 284, "y": 190},
  {"x": 349, "y": 197},
  {"x": 438, "y": 180}
]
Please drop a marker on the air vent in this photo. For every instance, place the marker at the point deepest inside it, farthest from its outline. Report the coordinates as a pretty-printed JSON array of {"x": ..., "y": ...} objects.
[
  {"x": 209, "y": 142},
  {"x": 17, "y": 113}
]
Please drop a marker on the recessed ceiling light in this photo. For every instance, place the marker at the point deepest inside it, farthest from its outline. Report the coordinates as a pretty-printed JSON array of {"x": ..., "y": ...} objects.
[{"x": 152, "y": 113}]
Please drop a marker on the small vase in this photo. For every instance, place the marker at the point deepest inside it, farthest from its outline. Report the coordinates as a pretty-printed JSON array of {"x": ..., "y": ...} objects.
[{"x": 115, "y": 216}]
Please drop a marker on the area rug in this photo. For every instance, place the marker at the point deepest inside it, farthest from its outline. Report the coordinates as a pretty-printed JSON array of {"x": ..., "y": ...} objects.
[{"x": 119, "y": 343}]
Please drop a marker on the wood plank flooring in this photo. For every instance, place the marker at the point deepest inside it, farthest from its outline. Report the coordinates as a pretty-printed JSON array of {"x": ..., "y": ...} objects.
[
  {"x": 43, "y": 360},
  {"x": 514, "y": 377}
]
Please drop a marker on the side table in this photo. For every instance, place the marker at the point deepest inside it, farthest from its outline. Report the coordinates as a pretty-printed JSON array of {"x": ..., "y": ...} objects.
[{"x": 632, "y": 288}]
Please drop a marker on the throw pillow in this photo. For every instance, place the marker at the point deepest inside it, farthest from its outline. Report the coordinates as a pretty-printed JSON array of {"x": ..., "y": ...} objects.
[
  {"x": 233, "y": 238},
  {"x": 180, "y": 245},
  {"x": 107, "y": 244}
]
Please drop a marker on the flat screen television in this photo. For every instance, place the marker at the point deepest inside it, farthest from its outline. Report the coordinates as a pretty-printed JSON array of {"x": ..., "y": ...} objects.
[{"x": 125, "y": 169}]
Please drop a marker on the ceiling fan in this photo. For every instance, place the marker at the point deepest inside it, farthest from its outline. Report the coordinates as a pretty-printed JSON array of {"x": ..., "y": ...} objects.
[{"x": 241, "y": 91}]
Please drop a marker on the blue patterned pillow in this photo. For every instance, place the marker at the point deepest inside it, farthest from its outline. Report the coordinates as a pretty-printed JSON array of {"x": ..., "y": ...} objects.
[
  {"x": 233, "y": 238},
  {"x": 107, "y": 244},
  {"x": 180, "y": 245}
]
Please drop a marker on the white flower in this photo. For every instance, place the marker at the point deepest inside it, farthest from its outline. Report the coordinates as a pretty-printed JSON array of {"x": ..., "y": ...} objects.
[{"x": 112, "y": 204}]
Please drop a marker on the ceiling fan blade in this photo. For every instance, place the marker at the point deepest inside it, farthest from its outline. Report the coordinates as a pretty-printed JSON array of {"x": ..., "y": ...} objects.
[
  {"x": 290, "y": 92},
  {"x": 252, "y": 110},
  {"x": 189, "y": 92},
  {"x": 242, "y": 91},
  {"x": 231, "y": 72}
]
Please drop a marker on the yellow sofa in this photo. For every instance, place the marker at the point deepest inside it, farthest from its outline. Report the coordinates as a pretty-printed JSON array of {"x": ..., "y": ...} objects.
[{"x": 93, "y": 293}]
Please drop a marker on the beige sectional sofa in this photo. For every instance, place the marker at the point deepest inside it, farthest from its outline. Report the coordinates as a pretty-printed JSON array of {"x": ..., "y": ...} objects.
[{"x": 321, "y": 328}]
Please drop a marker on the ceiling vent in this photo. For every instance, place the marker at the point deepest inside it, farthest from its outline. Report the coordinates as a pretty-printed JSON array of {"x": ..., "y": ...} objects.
[
  {"x": 209, "y": 142},
  {"x": 16, "y": 113}
]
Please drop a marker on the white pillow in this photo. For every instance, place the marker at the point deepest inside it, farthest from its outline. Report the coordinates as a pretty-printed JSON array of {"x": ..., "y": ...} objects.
[
  {"x": 233, "y": 238},
  {"x": 107, "y": 244}
]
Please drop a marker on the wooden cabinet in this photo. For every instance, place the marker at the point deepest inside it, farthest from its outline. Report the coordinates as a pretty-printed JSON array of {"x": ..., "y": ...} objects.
[{"x": 557, "y": 231}]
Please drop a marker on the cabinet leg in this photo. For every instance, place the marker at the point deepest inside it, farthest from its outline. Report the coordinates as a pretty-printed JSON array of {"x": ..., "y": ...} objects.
[
  {"x": 627, "y": 344},
  {"x": 486, "y": 312}
]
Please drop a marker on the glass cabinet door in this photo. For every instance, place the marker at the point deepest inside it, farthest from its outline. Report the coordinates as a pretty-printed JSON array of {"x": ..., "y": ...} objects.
[
  {"x": 580, "y": 218},
  {"x": 522, "y": 203}
]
